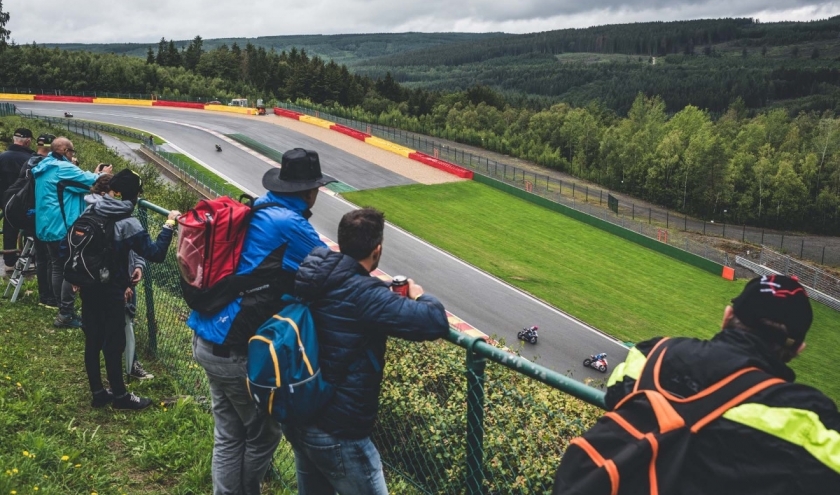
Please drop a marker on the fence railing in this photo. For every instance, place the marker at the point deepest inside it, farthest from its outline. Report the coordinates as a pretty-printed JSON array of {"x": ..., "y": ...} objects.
[
  {"x": 32, "y": 90},
  {"x": 820, "y": 290}
]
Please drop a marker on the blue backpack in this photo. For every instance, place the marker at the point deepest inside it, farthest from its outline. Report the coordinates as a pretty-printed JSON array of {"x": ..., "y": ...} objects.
[{"x": 284, "y": 378}]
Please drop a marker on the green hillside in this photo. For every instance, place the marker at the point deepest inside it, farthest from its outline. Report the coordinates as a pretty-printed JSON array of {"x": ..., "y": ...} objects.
[
  {"x": 342, "y": 48},
  {"x": 706, "y": 63}
]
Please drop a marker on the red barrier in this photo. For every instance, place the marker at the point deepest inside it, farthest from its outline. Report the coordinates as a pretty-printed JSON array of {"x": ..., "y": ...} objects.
[
  {"x": 442, "y": 165},
  {"x": 287, "y": 113},
  {"x": 178, "y": 104},
  {"x": 68, "y": 99},
  {"x": 353, "y": 133}
]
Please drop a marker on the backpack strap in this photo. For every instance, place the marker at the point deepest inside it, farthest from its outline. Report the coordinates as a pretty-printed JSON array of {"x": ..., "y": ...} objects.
[
  {"x": 60, "y": 187},
  {"x": 705, "y": 406}
]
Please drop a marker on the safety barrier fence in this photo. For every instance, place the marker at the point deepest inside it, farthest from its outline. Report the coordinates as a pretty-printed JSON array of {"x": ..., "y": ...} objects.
[
  {"x": 456, "y": 417},
  {"x": 585, "y": 197},
  {"x": 109, "y": 94}
]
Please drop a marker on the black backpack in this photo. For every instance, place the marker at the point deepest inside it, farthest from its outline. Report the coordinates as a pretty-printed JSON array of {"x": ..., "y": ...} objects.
[
  {"x": 19, "y": 199},
  {"x": 640, "y": 447},
  {"x": 91, "y": 258}
]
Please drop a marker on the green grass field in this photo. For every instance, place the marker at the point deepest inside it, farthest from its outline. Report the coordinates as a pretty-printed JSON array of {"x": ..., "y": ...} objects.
[
  {"x": 626, "y": 290},
  {"x": 129, "y": 139}
]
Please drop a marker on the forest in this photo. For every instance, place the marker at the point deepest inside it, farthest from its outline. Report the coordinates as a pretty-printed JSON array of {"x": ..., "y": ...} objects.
[{"x": 724, "y": 155}]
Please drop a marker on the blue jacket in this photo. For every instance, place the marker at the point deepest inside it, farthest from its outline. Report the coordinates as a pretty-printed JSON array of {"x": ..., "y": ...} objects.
[
  {"x": 354, "y": 314},
  {"x": 49, "y": 224},
  {"x": 278, "y": 240}
]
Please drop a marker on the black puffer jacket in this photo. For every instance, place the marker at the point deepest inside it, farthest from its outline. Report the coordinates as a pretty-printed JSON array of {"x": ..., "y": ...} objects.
[
  {"x": 783, "y": 440},
  {"x": 11, "y": 162},
  {"x": 354, "y": 314}
]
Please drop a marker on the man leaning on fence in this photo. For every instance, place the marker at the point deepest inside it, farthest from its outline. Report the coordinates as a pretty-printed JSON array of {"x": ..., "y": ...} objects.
[
  {"x": 11, "y": 162},
  {"x": 354, "y": 315},
  {"x": 759, "y": 432},
  {"x": 278, "y": 239}
]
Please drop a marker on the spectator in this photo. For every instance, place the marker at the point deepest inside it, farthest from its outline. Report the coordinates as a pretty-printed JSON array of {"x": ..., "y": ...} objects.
[
  {"x": 51, "y": 223},
  {"x": 42, "y": 256},
  {"x": 278, "y": 239},
  {"x": 103, "y": 305},
  {"x": 136, "y": 267},
  {"x": 11, "y": 163},
  {"x": 354, "y": 314},
  {"x": 783, "y": 439}
]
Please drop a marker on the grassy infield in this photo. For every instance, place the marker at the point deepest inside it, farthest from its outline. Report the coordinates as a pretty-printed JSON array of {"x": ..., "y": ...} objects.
[{"x": 621, "y": 288}]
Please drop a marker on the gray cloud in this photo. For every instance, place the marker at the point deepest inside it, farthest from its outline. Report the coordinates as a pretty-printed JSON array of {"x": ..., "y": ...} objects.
[{"x": 101, "y": 21}]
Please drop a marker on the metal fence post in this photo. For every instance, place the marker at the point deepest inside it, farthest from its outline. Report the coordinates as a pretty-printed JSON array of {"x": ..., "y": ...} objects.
[
  {"x": 149, "y": 292},
  {"x": 475, "y": 422}
]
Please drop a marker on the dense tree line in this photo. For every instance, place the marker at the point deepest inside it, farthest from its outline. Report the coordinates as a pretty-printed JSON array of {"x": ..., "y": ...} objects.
[{"x": 651, "y": 38}]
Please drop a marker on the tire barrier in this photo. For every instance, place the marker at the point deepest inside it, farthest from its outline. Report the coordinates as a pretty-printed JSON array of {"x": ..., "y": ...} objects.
[
  {"x": 9, "y": 96},
  {"x": 229, "y": 109},
  {"x": 286, "y": 113},
  {"x": 67, "y": 99},
  {"x": 123, "y": 101},
  {"x": 442, "y": 165},
  {"x": 353, "y": 133}
]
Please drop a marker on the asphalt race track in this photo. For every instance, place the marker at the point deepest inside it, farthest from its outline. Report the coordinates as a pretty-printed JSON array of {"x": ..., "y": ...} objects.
[{"x": 485, "y": 302}]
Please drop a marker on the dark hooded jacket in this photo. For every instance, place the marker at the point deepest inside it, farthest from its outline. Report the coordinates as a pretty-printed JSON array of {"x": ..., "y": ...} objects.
[
  {"x": 354, "y": 314},
  {"x": 785, "y": 439},
  {"x": 130, "y": 238}
]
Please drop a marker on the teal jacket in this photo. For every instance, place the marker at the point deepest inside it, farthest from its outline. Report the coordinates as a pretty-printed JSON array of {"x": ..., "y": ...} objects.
[{"x": 50, "y": 226}]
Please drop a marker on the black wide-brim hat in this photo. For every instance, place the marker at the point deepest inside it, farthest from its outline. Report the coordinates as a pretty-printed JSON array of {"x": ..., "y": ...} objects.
[{"x": 300, "y": 171}]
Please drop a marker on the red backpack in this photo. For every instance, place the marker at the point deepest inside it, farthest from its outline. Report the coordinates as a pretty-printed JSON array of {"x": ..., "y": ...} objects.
[{"x": 210, "y": 239}]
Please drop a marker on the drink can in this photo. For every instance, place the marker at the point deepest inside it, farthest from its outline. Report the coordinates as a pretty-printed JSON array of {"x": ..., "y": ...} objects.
[{"x": 399, "y": 284}]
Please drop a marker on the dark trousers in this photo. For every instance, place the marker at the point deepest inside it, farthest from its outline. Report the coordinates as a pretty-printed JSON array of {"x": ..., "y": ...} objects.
[
  {"x": 10, "y": 237},
  {"x": 103, "y": 319},
  {"x": 62, "y": 290},
  {"x": 44, "y": 272}
]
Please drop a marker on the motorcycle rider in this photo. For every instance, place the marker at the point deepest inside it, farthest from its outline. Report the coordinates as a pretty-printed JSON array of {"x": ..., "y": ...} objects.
[{"x": 600, "y": 356}]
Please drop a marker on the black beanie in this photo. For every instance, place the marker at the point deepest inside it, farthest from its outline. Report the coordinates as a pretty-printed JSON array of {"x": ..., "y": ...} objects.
[{"x": 128, "y": 184}]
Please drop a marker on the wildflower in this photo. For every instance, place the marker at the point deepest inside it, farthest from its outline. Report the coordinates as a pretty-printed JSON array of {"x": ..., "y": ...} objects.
[
  {"x": 25, "y": 453},
  {"x": 77, "y": 466},
  {"x": 65, "y": 458},
  {"x": 14, "y": 470},
  {"x": 18, "y": 384},
  {"x": 13, "y": 492},
  {"x": 35, "y": 488}
]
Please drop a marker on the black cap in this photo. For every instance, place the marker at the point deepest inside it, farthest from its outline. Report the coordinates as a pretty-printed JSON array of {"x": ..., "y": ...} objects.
[
  {"x": 45, "y": 140},
  {"x": 23, "y": 132},
  {"x": 775, "y": 299},
  {"x": 301, "y": 171},
  {"x": 128, "y": 184}
]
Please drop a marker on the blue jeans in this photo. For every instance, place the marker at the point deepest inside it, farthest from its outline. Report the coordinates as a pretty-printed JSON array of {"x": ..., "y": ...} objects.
[
  {"x": 244, "y": 438},
  {"x": 326, "y": 464}
]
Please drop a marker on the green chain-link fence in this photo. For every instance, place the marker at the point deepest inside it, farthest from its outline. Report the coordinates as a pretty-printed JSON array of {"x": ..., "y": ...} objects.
[{"x": 490, "y": 423}]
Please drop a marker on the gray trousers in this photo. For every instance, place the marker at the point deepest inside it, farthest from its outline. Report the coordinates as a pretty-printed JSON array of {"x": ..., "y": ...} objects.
[
  {"x": 62, "y": 289},
  {"x": 244, "y": 439}
]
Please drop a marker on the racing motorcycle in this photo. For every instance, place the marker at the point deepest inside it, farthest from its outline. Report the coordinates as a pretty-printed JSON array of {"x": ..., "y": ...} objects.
[
  {"x": 528, "y": 334},
  {"x": 218, "y": 148},
  {"x": 597, "y": 361},
  {"x": 68, "y": 115}
]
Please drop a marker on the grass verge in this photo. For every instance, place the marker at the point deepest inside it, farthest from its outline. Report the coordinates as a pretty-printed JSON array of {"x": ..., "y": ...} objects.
[
  {"x": 202, "y": 174},
  {"x": 122, "y": 137},
  {"x": 629, "y": 291}
]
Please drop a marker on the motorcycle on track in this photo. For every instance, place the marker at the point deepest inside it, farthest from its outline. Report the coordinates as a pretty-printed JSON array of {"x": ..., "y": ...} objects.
[
  {"x": 597, "y": 361},
  {"x": 528, "y": 334},
  {"x": 68, "y": 115}
]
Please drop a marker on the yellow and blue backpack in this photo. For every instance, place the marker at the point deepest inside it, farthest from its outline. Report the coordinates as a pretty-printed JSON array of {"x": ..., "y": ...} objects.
[{"x": 284, "y": 377}]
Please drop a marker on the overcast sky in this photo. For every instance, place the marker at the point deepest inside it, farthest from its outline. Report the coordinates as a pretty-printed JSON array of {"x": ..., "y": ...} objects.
[{"x": 106, "y": 21}]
